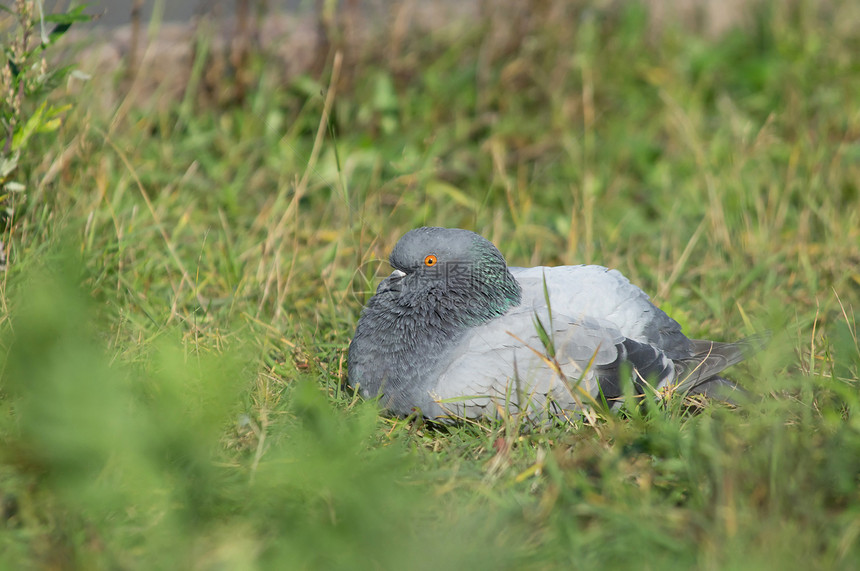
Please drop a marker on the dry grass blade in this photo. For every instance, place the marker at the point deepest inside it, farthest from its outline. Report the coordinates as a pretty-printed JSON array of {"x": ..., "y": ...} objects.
[{"x": 186, "y": 277}]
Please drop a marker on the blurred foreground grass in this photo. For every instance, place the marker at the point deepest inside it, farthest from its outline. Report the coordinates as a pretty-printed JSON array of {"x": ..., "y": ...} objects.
[{"x": 185, "y": 280}]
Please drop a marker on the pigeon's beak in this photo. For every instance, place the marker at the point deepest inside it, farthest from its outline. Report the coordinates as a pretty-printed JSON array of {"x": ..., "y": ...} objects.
[{"x": 391, "y": 283}]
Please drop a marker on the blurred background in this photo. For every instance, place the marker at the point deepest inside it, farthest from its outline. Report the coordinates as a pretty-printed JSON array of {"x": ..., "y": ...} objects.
[{"x": 199, "y": 197}]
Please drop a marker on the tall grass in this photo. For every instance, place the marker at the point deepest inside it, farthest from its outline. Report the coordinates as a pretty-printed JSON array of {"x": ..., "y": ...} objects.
[{"x": 187, "y": 279}]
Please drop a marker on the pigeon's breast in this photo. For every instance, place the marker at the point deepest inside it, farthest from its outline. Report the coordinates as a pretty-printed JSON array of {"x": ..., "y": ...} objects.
[{"x": 395, "y": 351}]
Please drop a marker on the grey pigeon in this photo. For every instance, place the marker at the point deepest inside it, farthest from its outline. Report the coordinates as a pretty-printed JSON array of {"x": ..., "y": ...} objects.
[{"x": 455, "y": 333}]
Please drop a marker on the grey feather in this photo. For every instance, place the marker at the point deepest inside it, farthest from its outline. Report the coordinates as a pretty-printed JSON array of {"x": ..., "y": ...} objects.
[{"x": 454, "y": 333}]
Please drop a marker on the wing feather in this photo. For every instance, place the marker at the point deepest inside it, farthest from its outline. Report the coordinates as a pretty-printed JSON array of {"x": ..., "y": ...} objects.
[
  {"x": 604, "y": 295},
  {"x": 504, "y": 366}
]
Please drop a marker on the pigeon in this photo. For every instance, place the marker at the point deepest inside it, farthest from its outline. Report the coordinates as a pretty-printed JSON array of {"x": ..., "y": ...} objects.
[{"x": 454, "y": 334}]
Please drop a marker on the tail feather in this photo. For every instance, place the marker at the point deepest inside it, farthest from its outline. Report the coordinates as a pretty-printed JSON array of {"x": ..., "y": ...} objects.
[{"x": 699, "y": 373}]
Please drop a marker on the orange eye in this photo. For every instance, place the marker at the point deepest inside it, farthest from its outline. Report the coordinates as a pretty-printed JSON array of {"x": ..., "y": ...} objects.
[{"x": 430, "y": 260}]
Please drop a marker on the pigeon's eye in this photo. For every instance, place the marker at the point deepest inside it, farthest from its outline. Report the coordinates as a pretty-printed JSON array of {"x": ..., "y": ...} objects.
[{"x": 430, "y": 261}]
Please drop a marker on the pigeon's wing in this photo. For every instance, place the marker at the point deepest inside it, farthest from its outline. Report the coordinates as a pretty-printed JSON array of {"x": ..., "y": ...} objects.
[
  {"x": 506, "y": 365},
  {"x": 607, "y": 296}
]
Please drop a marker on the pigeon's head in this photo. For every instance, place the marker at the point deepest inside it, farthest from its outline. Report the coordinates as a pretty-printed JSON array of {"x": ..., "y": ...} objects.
[
  {"x": 431, "y": 248},
  {"x": 447, "y": 264}
]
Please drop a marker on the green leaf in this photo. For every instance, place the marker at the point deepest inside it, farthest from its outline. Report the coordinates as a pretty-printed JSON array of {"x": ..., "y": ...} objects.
[
  {"x": 19, "y": 140},
  {"x": 73, "y": 15},
  {"x": 44, "y": 120},
  {"x": 545, "y": 338},
  {"x": 65, "y": 21},
  {"x": 49, "y": 126},
  {"x": 546, "y": 298},
  {"x": 13, "y": 68},
  {"x": 8, "y": 164}
]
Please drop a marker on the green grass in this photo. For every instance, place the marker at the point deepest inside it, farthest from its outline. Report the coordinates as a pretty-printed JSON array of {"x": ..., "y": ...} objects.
[{"x": 185, "y": 280}]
